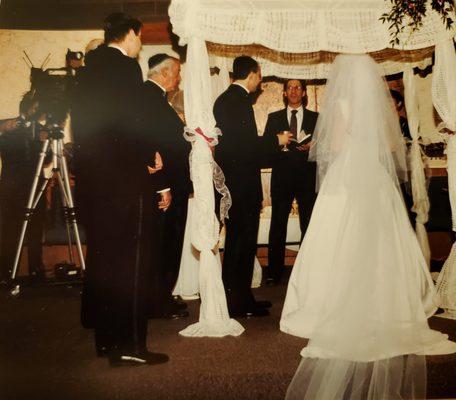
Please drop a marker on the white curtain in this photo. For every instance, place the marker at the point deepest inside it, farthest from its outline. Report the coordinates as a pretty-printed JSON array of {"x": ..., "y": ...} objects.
[
  {"x": 418, "y": 179},
  {"x": 444, "y": 99},
  {"x": 214, "y": 319},
  {"x": 187, "y": 285}
]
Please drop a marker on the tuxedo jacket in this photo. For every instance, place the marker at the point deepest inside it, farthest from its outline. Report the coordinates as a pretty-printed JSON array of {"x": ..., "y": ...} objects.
[
  {"x": 241, "y": 153},
  {"x": 167, "y": 130},
  {"x": 291, "y": 165},
  {"x": 113, "y": 144}
]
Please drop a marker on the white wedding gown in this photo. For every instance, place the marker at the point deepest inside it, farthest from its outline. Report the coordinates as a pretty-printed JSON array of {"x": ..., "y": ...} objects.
[
  {"x": 360, "y": 265},
  {"x": 360, "y": 289}
]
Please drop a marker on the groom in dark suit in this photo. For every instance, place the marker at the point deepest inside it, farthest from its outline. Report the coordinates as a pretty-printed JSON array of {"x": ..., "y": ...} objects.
[
  {"x": 293, "y": 176},
  {"x": 164, "y": 77},
  {"x": 241, "y": 154},
  {"x": 113, "y": 150}
]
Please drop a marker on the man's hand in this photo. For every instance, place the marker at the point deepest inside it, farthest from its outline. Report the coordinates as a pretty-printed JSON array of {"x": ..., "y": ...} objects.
[
  {"x": 165, "y": 201},
  {"x": 284, "y": 138},
  {"x": 158, "y": 164},
  {"x": 305, "y": 147}
]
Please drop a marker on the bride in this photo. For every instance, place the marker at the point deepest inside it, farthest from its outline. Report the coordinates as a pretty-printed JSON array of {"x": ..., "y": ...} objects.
[{"x": 360, "y": 288}]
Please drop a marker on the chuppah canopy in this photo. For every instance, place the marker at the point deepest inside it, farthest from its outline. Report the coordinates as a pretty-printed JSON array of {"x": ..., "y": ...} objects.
[{"x": 300, "y": 39}]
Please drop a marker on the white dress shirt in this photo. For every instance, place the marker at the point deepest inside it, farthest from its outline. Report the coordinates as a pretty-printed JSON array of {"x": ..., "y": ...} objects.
[
  {"x": 242, "y": 86},
  {"x": 160, "y": 86},
  {"x": 122, "y": 50}
]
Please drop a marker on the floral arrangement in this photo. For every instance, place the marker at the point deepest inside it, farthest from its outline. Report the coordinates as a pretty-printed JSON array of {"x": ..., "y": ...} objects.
[{"x": 414, "y": 11}]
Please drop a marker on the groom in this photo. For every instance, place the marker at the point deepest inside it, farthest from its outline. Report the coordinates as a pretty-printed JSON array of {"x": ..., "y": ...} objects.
[
  {"x": 113, "y": 149},
  {"x": 241, "y": 154}
]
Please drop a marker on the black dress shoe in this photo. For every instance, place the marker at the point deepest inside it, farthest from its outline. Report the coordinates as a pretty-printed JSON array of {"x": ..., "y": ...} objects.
[
  {"x": 178, "y": 303},
  {"x": 272, "y": 281},
  {"x": 102, "y": 351},
  {"x": 258, "y": 312},
  {"x": 263, "y": 304},
  {"x": 175, "y": 314},
  {"x": 104, "y": 343},
  {"x": 254, "y": 312},
  {"x": 135, "y": 359}
]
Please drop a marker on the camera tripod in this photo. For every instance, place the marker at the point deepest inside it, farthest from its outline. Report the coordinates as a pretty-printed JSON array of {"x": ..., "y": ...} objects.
[{"x": 54, "y": 143}]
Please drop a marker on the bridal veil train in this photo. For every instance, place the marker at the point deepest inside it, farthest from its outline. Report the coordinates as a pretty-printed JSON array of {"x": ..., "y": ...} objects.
[{"x": 360, "y": 288}]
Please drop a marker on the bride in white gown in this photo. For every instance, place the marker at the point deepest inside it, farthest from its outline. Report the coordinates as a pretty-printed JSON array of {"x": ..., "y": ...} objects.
[{"x": 360, "y": 288}]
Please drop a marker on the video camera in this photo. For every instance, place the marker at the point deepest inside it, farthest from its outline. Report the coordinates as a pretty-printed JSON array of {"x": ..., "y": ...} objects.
[
  {"x": 54, "y": 87},
  {"x": 53, "y": 91}
]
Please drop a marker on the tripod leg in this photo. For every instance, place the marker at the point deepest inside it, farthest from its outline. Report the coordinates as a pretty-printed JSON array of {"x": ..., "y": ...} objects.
[
  {"x": 41, "y": 191},
  {"x": 69, "y": 198},
  {"x": 66, "y": 216},
  {"x": 29, "y": 207}
]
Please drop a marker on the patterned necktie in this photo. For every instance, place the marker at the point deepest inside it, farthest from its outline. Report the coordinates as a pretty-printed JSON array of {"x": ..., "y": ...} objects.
[{"x": 294, "y": 124}]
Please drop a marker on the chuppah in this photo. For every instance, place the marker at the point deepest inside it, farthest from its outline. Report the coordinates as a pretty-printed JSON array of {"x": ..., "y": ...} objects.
[{"x": 217, "y": 31}]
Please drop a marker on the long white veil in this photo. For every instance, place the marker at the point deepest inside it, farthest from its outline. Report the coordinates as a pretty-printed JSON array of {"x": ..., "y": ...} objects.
[
  {"x": 358, "y": 112},
  {"x": 360, "y": 258}
]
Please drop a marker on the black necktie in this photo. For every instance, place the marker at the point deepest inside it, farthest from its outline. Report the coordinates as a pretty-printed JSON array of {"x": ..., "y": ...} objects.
[{"x": 294, "y": 123}]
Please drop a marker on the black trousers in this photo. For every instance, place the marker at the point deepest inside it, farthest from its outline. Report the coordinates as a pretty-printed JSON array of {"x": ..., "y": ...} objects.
[
  {"x": 115, "y": 282},
  {"x": 282, "y": 195},
  {"x": 167, "y": 240},
  {"x": 239, "y": 254},
  {"x": 12, "y": 214}
]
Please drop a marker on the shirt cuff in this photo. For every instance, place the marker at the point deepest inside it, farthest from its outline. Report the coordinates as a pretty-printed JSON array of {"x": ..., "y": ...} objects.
[{"x": 164, "y": 190}]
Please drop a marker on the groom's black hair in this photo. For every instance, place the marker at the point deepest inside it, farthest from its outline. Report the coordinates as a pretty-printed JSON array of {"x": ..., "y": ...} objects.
[
  {"x": 117, "y": 26},
  {"x": 243, "y": 66}
]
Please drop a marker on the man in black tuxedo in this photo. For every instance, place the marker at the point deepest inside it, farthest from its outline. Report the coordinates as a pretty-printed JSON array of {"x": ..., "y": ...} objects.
[
  {"x": 164, "y": 77},
  {"x": 241, "y": 153},
  {"x": 293, "y": 176},
  {"x": 113, "y": 150}
]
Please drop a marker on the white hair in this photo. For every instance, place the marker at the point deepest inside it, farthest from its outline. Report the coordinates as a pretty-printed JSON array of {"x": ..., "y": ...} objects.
[
  {"x": 166, "y": 63},
  {"x": 93, "y": 44}
]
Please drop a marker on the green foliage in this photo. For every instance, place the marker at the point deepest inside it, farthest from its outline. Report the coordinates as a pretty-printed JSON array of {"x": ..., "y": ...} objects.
[{"x": 411, "y": 12}]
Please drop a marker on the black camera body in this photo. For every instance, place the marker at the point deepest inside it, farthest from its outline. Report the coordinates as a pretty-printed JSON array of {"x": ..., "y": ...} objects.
[{"x": 54, "y": 91}]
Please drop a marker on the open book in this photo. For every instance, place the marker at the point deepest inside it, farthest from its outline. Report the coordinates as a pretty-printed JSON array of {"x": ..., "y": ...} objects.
[{"x": 303, "y": 138}]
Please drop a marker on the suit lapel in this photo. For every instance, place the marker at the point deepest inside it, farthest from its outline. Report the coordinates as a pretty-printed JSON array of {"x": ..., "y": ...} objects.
[
  {"x": 306, "y": 122},
  {"x": 284, "y": 119}
]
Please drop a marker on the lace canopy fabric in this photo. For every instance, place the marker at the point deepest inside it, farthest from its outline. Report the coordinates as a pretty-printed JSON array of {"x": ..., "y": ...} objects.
[
  {"x": 298, "y": 26},
  {"x": 300, "y": 38}
]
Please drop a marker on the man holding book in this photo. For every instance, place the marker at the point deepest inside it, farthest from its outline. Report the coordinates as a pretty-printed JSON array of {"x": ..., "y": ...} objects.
[{"x": 293, "y": 176}]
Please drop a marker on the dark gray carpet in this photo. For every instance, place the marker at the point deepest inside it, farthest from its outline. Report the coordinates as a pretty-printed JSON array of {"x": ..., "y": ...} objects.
[{"x": 45, "y": 354}]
